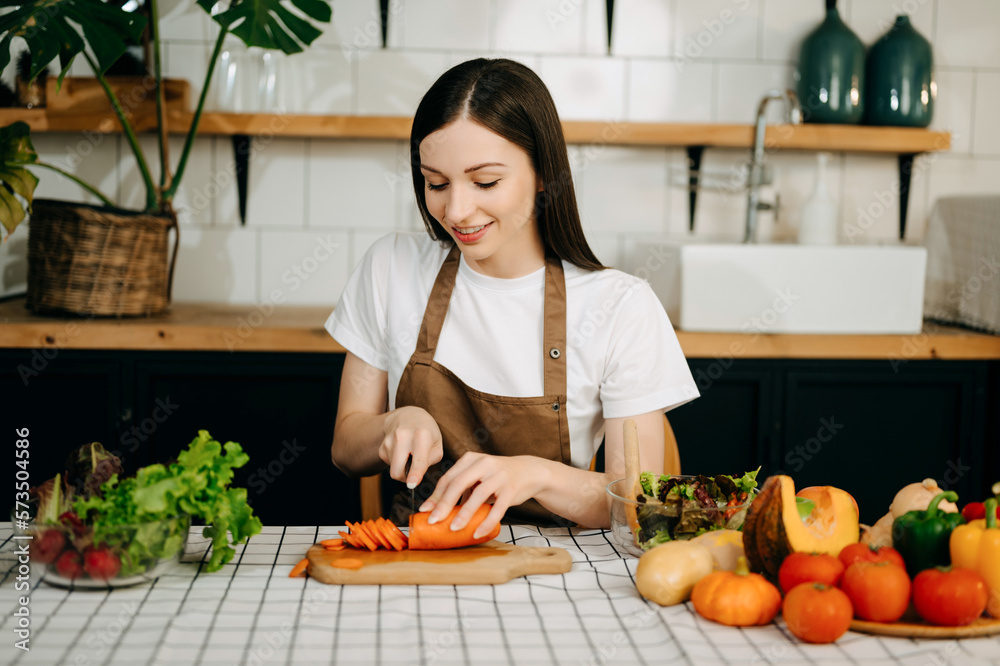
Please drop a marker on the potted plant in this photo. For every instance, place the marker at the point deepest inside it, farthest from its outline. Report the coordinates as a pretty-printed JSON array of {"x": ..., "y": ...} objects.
[{"x": 102, "y": 260}]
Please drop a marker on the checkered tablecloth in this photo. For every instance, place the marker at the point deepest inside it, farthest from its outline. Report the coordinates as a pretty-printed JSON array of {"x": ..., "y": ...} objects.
[{"x": 250, "y": 612}]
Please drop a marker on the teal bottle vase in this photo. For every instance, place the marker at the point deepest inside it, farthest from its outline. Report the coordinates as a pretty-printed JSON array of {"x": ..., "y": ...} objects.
[
  {"x": 830, "y": 79},
  {"x": 899, "y": 80}
]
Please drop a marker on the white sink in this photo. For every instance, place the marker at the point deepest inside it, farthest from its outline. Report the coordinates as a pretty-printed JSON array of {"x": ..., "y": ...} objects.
[{"x": 786, "y": 288}]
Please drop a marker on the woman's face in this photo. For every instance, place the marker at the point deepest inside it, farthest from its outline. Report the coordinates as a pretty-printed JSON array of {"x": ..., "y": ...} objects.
[{"x": 481, "y": 188}]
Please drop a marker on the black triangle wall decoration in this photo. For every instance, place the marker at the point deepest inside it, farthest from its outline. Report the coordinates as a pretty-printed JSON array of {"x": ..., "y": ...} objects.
[
  {"x": 611, "y": 18},
  {"x": 384, "y": 13}
]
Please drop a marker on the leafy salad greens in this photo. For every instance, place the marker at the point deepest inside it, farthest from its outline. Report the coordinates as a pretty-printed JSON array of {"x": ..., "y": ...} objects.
[
  {"x": 683, "y": 507},
  {"x": 196, "y": 486}
]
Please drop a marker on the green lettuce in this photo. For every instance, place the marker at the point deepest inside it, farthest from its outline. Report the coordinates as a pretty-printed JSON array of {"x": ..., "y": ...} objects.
[{"x": 196, "y": 485}]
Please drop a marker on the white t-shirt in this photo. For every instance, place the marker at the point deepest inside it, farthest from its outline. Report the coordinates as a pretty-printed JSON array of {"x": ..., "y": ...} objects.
[{"x": 622, "y": 356}]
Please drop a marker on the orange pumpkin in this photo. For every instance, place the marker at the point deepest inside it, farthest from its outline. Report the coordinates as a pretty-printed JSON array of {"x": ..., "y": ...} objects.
[
  {"x": 773, "y": 528},
  {"x": 736, "y": 598}
]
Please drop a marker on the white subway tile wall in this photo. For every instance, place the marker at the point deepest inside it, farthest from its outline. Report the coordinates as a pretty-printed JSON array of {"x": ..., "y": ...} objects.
[
  {"x": 954, "y": 107},
  {"x": 586, "y": 87},
  {"x": 717, "y": 29},
  {"x": 670, "y": 61},
  {"x": 641, "y": 28},
  {"x": 682, "y": 92},
  {"x": 741, "y": 85},
  {"x": 985, "y": 132},
  {"x": 966, "y": 33},
  {"x": 354, "y": 184},
  {"x": 303, "y": 265}
]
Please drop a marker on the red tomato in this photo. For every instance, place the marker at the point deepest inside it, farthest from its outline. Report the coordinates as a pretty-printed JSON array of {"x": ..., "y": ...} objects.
[
  {"x": 949, "y": 597},
  {"x": 860, "y": 551},
  {"x": 975, "y": 511},
  {"x": 879, "y": 591},
  {"x": 817, "y": 613},
  {"x": 800, "y": 568}
]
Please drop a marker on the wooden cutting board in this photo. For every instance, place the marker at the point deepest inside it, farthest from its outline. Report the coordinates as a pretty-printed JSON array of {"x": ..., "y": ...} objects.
[{"x": 486, "y": 564}]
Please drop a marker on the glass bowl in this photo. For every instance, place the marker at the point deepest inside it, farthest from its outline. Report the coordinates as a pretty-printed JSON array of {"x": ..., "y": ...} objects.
[
  {"x": 683, "y": 520},
  {"x": 74, "y": 555}
]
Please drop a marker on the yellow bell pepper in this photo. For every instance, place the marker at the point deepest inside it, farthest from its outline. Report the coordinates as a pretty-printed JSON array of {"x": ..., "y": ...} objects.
[{"x": 976, "y": 546}]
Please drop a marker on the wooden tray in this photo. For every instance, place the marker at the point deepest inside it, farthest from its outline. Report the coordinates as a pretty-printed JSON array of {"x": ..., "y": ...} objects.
[
  {"x": 486, "y": 564},
  {"x": 981, "y": 627}
]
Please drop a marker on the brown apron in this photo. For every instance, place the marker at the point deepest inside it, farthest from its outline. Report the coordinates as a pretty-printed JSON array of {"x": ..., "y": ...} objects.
[{"x": 472, "y": 420}]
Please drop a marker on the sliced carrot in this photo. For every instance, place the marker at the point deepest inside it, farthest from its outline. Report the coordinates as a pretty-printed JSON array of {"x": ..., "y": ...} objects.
[
  {"x": 375, "y": 531},
  {"x": 359, "y": 530},
  {"x": 335, "y": 548},
  {"x": 347, "y": 563},
  {"x": 348, "y": 538},
  {"x": 332, "y": 542},
  {"x": 383, "y": 535},
  {"x": 398, "y": 532},
  {"x": 439, "y": 536},
  {"x": 392, "y": 534},
  {"x": 372, "y": 530},
  {"x": 299, "y": 568}
]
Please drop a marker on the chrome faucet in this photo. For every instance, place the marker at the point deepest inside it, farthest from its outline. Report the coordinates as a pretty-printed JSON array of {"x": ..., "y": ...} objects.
[{"x": 756, "y": 167}]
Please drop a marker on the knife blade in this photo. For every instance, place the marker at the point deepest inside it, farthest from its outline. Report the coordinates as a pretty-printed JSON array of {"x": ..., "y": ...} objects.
[{"x": 406, "y": 473}]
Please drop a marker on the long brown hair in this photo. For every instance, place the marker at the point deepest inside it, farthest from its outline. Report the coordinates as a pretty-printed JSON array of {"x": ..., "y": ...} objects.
[{"x": 508, "y": 99}]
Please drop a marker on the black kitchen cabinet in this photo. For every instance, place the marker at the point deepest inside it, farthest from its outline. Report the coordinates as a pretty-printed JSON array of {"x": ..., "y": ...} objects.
[
  {"x": 63, "y": 401},
  {"x": 868, "y": 427},
  {"x": 147, "y": 406}
]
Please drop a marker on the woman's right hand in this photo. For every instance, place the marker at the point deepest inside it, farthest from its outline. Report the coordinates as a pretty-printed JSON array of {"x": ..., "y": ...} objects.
[{"x": 411, "y": 434}]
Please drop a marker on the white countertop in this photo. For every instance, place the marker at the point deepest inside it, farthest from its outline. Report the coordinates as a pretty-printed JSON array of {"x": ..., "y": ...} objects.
[{"x": 250, "y": 612}]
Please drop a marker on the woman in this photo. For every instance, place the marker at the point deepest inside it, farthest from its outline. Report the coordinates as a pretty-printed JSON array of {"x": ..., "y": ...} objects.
[{"x": 495, "y": 353}]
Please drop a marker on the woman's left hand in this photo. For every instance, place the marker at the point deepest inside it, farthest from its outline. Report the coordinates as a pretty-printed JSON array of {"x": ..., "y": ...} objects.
[{"x": 509, "y": 480}]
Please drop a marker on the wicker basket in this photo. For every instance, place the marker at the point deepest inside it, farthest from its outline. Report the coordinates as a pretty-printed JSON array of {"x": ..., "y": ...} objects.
[{"x": 93, "y": 260}]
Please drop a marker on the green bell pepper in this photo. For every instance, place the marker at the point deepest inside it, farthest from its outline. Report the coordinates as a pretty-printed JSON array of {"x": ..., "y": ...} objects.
[{"x": 922, "y": 537}]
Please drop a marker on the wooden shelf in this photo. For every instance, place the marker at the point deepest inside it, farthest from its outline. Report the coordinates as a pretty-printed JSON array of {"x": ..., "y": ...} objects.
[
  {"x": 846, "y": 138},
  {"x": 215, "y": 327}
]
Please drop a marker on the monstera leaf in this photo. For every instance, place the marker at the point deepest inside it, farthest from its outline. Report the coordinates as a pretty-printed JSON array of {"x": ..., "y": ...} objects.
[
  {"x": 16, "y": 148},
  {"x": 270, "y": 24},
  {"x": 103, "y": 32},
  {"x": 46, "y": 27}
]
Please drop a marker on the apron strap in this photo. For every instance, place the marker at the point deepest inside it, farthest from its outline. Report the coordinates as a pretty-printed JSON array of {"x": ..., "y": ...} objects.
[
  {"x": 437, "y": 307},
  {"x": 554, "y": 332}
]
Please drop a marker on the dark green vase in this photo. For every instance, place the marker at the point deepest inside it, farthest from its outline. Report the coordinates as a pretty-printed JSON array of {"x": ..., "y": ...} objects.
[
  {"x": 830, "y": 79},
  {"x": 899, "y": 80}
]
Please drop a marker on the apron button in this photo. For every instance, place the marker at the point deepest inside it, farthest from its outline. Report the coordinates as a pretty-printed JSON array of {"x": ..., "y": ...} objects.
[
  {"x": 555, "y": 406},
  {"x": 554, "y": 353}
]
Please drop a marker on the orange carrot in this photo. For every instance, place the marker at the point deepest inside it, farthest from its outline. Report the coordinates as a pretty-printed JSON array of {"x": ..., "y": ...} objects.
[
  {"x": 440, "y": 536},
  {"x": 391, "y": 533},
  {"x": 347, "y": 563},
  {"x": 398, "y": 533},
  {"x": 332, "y": 542},
  {"x": 362, "y": 536},
  {"x": 335, "y": 548},
  {"x": 299, "y": 568},
  {"x": 375, "y": 532}
]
